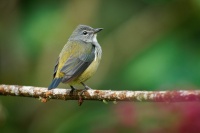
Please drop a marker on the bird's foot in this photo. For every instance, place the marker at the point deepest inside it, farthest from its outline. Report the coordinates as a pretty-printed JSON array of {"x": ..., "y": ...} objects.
[
  {"x": 72, "y": 91},
  {"x": 85, "y": 89},
  {"x": 80, "y": 101}
]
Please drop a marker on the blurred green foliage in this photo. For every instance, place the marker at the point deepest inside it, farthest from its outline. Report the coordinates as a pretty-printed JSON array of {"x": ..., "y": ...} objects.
[{"x": 147, "y": 45}]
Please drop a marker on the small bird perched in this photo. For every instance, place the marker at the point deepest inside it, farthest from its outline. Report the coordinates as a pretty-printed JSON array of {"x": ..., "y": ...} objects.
[{"x": 79, "y": 58}]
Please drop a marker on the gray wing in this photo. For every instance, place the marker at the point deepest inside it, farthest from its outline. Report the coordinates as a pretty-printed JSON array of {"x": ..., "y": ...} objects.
[{"x": 75, "y": 66}]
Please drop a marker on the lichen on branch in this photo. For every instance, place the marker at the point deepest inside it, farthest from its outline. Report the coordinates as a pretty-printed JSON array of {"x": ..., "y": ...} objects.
[{"x": 101, "y": 95}]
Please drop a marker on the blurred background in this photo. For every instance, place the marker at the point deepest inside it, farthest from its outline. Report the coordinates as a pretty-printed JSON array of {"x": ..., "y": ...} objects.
[{"x": 147, "y": 45}]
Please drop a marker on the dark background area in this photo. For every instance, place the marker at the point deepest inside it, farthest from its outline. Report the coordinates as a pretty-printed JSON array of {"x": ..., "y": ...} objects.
[{"x": 147, "y": 45}]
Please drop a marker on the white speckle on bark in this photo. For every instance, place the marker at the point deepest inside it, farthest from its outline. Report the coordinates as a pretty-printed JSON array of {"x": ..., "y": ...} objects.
[
  {"x": 59, "y": 91},
  {"x": 14, "y": 90},
  {"x": 28, "y": 90},
  {"x": 151, "y": 96},
  {"x": 183, "y": 93},
  {"x": 139, "y": 97},
  {"x": 129, "y": 94},
  {"x": 145, "y": 96},
  {"x": 90, "y": 92}
]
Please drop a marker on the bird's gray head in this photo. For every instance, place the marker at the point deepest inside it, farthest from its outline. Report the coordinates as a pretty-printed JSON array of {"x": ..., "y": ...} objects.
[{"x": 85, "y": 33}]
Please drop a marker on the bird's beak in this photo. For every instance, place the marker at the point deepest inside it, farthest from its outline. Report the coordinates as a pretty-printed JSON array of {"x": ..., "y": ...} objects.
[{"x": 97, "y": 30}]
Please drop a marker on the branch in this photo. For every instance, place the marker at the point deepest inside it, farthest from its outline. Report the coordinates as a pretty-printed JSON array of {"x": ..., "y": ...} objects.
[{"x": 101, "y": 95}]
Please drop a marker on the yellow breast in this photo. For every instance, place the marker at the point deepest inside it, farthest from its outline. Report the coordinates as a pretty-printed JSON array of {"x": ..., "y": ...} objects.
[{"x": 89, "y": 72}]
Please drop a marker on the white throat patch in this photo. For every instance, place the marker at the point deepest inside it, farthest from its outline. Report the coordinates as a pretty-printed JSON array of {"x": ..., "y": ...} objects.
[{"x": 94, "y": 39}]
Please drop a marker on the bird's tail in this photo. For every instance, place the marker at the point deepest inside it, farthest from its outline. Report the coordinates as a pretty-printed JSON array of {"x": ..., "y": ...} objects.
[{"x": 54, "y": 83}]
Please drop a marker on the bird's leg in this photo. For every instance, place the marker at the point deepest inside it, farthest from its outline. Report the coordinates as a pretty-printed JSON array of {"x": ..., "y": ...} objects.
[
  {"x": 81, "y": 93},
  {"x": 86, "y": 88},
  {"x": 72, "y": 90}
]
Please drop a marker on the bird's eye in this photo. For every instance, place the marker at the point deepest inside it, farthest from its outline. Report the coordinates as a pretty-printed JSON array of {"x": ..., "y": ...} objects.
[{"x": 84, "y": 32}]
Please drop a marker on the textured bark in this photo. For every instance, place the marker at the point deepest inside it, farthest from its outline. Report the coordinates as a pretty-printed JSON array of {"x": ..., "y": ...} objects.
[{"x": 101, "y": 95}]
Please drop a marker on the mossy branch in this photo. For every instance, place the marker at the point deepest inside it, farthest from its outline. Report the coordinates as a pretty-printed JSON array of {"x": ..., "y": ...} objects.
[{"x": 101, "y": 95}]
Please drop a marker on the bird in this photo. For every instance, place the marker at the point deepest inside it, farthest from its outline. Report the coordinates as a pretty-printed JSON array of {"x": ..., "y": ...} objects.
[{"x": 79, "y": 58}]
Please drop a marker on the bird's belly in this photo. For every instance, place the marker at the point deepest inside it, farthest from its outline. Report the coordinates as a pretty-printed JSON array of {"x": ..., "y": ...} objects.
[{"x": 89, "y": 71}]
